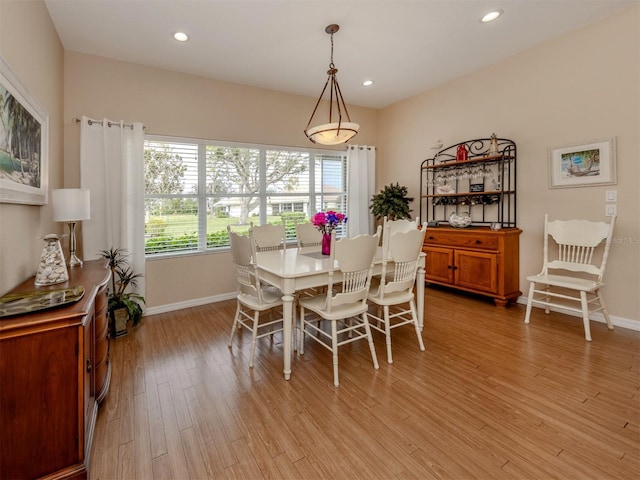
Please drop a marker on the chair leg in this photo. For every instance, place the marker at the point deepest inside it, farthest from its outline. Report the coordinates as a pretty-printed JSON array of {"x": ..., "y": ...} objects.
[
  {"x": 387, "y": 333},
  {"x": 301, "y": 348},
  {"x": 605, "y": 312},
  {"x": 334, "y": 351},
  {"x": 414, "y": 313},
  {"x": 256, "y": 316},
  {"x": 372, "y": 347},
  {"x": 294, "y": 328},
  {"x": 235, "y": 324},
  {"x": 527, "y": 315},
  {"x": 585, "y": 316},
  {"x": 547, "y": 298}
]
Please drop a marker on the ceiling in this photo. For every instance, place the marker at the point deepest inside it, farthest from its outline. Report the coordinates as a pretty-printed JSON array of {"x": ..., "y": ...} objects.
[{"x": 405, "y": 46}]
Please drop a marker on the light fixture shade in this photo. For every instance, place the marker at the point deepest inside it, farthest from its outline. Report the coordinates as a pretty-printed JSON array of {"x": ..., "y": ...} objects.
[
  {"x": 71, "y": 204},
  {"x": 332, "y": 133}
]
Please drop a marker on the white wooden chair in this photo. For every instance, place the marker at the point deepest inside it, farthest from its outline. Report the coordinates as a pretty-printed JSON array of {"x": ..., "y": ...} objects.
[
  {"x": 394, "y": 295},
  {"x": 268, "y": 237},
  {"x": 573, "y": 272},
  {"x": 346, "y": 306},
  {"x": 307, "y": 235},
  {"x": 253, "y": 298},
  {"x": 402, "y": 225}
]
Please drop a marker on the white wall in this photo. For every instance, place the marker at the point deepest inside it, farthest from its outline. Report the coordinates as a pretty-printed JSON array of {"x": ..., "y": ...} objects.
[
  {"x": 171, "y": 103},
  {"x": 580, "y": 87},
  {"x": 30, "y": 45},
  {"x": 577, "y": 88}
]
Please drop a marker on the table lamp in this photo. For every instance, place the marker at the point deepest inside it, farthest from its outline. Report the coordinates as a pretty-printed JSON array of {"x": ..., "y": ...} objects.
[{"x": 71, "y": 205}]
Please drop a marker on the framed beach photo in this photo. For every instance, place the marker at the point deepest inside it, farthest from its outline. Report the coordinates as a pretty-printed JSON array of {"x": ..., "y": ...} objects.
[
  {"x": 583, "y": 165},
  {"x": 24, "y": 143}
]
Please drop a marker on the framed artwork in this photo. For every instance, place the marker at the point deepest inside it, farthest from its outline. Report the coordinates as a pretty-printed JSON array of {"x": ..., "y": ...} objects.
[
  {"x": 24, "y": 143},
  {"x": 583, "y": 165}
]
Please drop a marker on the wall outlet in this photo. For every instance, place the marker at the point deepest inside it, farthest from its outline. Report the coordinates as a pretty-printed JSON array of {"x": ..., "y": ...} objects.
[
  {"x": 611, "y": 210},
  {"x": 612, "y": 196}
]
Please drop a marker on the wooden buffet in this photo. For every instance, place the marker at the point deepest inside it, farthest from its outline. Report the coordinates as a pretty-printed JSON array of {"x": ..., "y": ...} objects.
[
  {"x": 475, "y": 259},
  {"x": 54, "y": 372}
]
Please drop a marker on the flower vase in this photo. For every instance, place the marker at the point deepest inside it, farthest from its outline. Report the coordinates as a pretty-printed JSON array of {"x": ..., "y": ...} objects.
[{"x": 326, "y": 244}]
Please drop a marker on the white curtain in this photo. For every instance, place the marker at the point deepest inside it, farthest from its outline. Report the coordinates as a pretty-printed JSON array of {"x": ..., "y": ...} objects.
[
  {"x": 361, "y": 180},
  {"x": 112, "y": 168}
]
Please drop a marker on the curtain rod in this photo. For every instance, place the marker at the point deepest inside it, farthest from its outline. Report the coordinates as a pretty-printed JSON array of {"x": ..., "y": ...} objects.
[
  {"x": 109, "y": 124},
  {"x": 359, "y": 147}
]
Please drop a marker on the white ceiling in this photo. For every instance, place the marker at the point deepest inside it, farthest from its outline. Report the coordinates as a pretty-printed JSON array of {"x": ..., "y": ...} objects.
[{"x": 406, "y": 46}]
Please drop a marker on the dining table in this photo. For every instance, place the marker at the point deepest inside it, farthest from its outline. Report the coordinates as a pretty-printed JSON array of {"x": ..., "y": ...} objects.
[{"x": 295, "y": 269}]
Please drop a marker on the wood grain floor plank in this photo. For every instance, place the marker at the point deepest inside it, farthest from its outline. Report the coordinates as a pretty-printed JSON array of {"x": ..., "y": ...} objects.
[
  {"x": 490, "y": 398},
  {"x": 141, "y": 440}
]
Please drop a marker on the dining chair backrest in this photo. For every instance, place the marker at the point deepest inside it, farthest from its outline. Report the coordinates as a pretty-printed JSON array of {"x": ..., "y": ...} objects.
[
  {"x": 577, "y": 245},
  {"x": 242, "y": 253},
  {"x": 402, "y": 225},
  {"x": 400, "y": 258},
  {"x": 352, "y": 258},
  {"x": 268, "y": 237},
  {"x": 308, "y": 235}
]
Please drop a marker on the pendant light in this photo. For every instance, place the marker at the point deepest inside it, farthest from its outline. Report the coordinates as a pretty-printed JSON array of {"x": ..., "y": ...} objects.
[{"x": 333, "y": 132}]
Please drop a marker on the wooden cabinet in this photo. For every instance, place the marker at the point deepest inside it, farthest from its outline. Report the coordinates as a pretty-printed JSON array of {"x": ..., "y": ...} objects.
[
  {"x": 474, "y": 259},
  {"x": 54, "y": 369}
]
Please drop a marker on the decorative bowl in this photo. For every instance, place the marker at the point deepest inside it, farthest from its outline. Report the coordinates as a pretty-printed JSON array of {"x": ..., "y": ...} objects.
[{"x": 460, "y": 220}]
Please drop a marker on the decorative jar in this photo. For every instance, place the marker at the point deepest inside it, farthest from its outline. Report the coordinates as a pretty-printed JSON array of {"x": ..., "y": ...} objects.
[{"x": 52, "y": 268}]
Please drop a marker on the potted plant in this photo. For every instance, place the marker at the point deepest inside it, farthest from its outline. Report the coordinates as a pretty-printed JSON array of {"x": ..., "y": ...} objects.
[
  {"x": 123, "y": 304},
  {"x": 392, "y": 202}
]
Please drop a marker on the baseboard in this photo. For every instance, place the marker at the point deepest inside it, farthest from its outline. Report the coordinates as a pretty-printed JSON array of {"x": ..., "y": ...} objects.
[
  {"x": 196, "y": 302},
  {"x": 596, "y": 317}
]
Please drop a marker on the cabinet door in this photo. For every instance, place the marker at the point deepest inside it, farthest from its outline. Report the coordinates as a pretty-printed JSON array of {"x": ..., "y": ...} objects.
[
  {"x": 439, "y": 264},
  {"x": 39, "y": 420},
  {"x": 476, "y": 270}
]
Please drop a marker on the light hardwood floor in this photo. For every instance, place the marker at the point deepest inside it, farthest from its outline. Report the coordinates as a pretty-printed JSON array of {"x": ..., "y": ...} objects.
[{"x": 490, "y": 398}]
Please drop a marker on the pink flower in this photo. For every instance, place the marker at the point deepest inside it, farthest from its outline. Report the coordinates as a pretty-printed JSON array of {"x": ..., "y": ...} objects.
[{"x": 326, "y": 222}]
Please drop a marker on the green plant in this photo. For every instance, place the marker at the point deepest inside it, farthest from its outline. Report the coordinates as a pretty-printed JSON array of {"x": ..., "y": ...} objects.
[
  {"x": 392, "y": 202},
  {"x": 122, "y": 279}
]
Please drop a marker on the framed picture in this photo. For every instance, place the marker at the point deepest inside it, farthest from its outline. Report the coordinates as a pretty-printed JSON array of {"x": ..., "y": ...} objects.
[
  {"x": 583, "y": 165},
  {"x": 24, "y": 143}
]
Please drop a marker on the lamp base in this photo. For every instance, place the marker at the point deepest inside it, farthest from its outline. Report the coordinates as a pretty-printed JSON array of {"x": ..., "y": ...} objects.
[{"x": 74, "y": 261}]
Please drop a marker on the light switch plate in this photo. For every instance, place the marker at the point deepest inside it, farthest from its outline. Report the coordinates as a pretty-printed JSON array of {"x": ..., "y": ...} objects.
[
  {"x": 611, "y": 210},
  {"x": 612, "y": 196}
]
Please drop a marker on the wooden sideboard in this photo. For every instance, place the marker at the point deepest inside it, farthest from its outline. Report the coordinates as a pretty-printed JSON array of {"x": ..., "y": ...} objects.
[
  {"x": 475, "y": 259},
  {"x": 54, "y": 371}
]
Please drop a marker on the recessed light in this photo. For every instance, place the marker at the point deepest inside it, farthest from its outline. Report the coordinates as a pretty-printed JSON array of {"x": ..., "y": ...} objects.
[
  {"x": 181, "y": 36},
  {"x": 489, "y": 17},
  {"x": 367, "y": 83}
]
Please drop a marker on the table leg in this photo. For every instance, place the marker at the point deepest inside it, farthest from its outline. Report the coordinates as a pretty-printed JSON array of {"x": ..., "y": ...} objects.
[
  {"x": 420, "y": 295},
  {"x": 287, "y": 310}
]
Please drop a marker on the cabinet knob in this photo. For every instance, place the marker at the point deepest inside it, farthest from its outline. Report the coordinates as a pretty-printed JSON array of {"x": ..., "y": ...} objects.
[
  {"x": 478, "y": 242},
  {"x": 88, "y": 365},
  {"x": 431, "y": 238}
]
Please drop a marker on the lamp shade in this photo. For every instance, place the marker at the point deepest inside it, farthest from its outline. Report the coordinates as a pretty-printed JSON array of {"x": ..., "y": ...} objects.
[
  {"x": 332, "y": 133},
  {"x": 71, "y": 204}
]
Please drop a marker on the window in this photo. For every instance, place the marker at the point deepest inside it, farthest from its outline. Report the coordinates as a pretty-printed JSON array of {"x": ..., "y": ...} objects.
[{"x": 193, "y": 190}]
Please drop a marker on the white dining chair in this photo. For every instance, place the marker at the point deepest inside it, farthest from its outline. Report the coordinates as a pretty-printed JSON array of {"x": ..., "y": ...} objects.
[
  {"x": 394, "y": 295},
  {"x": 345, "y": 307},
  {"x": 572, "y": 270},
  {"x": 401, "y": 225},
  {"x": 253, "y": 298},
  {"x": 268, "y": 237},
  {"x": 307, "y": 235}
]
